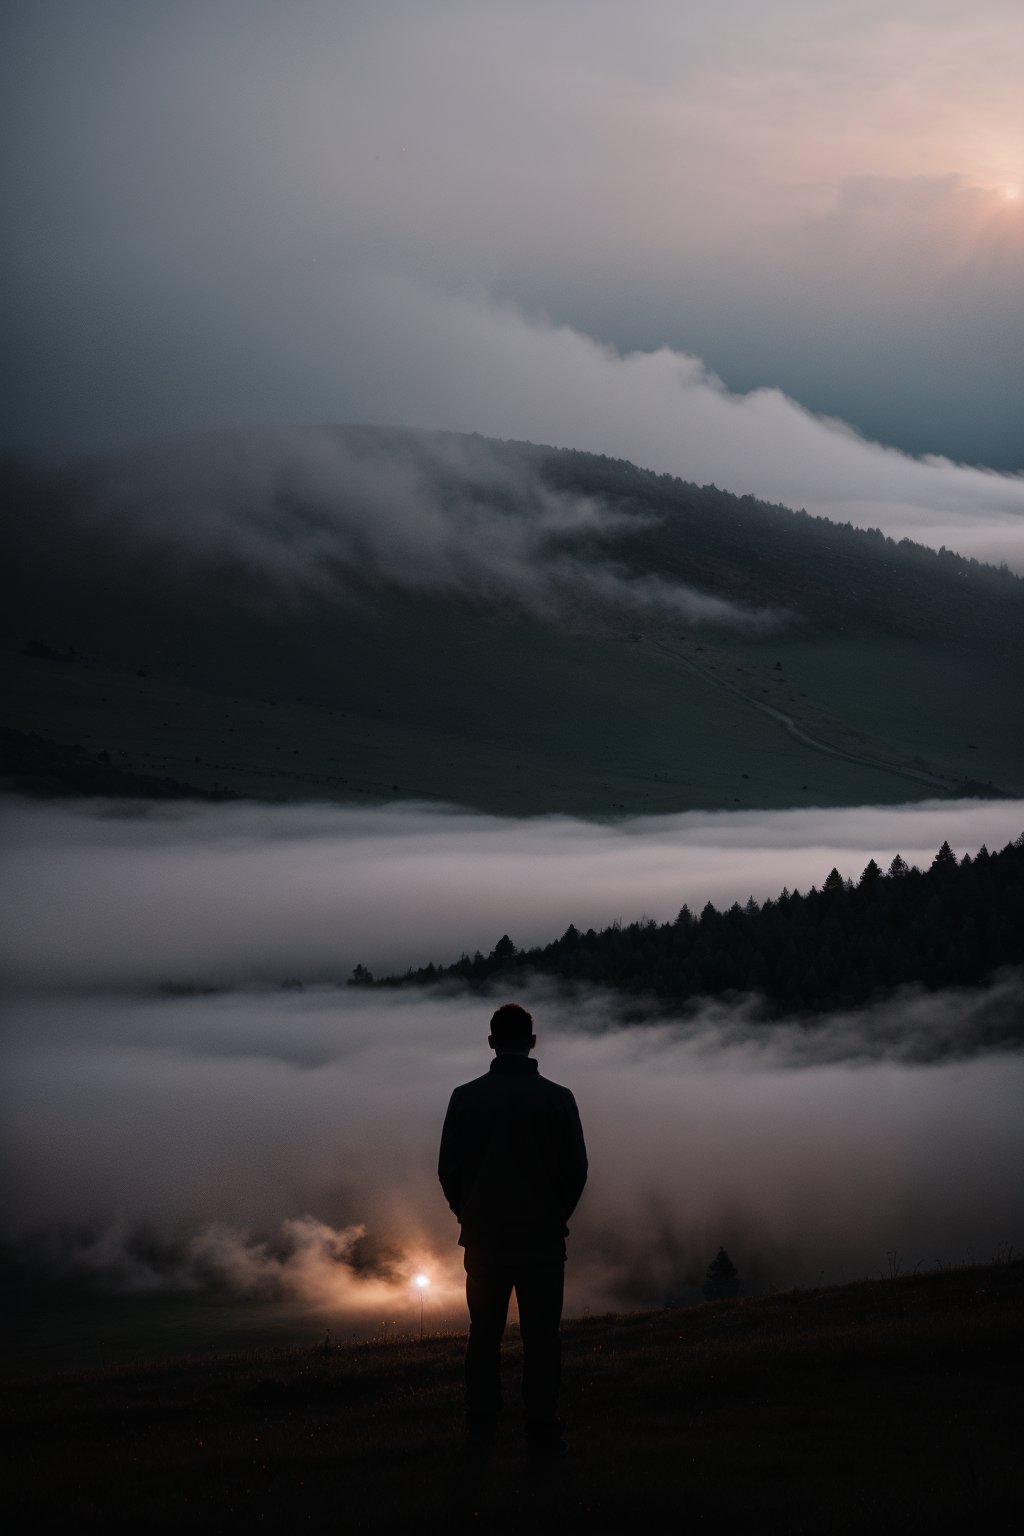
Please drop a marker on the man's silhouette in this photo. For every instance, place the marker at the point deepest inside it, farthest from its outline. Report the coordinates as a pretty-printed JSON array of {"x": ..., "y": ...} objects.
[{"x": 512, "y": 1166}]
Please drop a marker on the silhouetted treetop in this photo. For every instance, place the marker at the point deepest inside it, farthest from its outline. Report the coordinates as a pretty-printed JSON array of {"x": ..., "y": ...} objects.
[
  {"x": 722, "y": 1279},
  {"x": 952, "y": 925}
]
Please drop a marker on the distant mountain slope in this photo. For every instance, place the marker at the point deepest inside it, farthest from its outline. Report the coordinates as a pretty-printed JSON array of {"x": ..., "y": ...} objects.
[
  {"x": 363, "y": 615},
  {"x": 836, "y": 577}
]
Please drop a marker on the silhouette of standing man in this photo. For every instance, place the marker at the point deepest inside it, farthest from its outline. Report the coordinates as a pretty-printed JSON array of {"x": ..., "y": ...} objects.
[{"x": 512, "y": 1166}]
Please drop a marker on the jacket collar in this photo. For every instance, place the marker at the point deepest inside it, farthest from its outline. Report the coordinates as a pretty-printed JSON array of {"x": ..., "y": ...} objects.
[{"x": 511, "y": 1063}]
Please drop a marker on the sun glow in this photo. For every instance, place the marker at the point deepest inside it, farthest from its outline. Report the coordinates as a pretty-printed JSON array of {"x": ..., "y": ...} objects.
[{"x": 422, "y": 1281}]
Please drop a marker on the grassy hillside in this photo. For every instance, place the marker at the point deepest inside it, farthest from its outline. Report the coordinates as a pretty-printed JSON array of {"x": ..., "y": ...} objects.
[
  {"x": 890, "y": 1405},
  {"x": 895, "y": 675},
  {"x": 929, "y": 701},
  {"x": 435, "y": 703}
]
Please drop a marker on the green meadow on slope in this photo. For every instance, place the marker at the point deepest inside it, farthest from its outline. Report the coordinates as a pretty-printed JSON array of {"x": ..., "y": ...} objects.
[
  {"x": 895, "y": 668},
  {"x": 927, "y": 699},
  {"x": 433, "y": 703}
]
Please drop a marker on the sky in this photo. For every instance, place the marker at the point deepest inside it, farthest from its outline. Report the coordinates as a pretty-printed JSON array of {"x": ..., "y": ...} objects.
[{"x": 243, "y": 215}]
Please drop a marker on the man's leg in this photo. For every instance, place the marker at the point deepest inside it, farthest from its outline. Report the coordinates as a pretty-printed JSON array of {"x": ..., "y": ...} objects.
[
  {"x": 488, "y": 1289},
  {"x": 539, "y": 1289}
]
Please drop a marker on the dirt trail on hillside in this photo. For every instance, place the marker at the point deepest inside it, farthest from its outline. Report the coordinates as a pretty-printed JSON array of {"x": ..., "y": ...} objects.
[{"x": 773, "y": 695}]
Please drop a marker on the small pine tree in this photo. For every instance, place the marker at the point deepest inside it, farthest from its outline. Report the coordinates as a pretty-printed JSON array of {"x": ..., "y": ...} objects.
[
  {"x": 945, "y": 858},
  {"x": 722, "y": 1280},
  {"x": 870, "y": 874}
]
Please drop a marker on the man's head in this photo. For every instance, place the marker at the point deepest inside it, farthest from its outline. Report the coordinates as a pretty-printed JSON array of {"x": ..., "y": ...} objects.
[{"x": 512, "y": 1031}]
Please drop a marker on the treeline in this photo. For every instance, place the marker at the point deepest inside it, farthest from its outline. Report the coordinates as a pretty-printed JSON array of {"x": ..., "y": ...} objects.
[
  {"x": 840, "y": 578},
  {"x": 843, "y": 945}
]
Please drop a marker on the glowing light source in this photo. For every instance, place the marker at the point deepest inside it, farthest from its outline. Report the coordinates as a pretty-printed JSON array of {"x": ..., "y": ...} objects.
[{"x": 421, "y": 1281}]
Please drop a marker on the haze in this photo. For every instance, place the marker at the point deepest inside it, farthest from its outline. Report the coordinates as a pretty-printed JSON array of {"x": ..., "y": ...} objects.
[
  {"x": 281, "y": 1142},
  {"x": 284, "y": 1146},
  {"x": 119, "y": 896},
  {"x": 235, "y": 216}
]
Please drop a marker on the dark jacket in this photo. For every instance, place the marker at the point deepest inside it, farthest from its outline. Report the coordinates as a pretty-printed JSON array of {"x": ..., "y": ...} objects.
[{"x": 513, "y": 1162}]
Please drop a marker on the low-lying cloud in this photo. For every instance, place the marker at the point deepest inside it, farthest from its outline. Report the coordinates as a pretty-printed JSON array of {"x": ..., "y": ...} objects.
[
  {"x": 284, "y": 1145},
  {"x": 290, "y": 515},
  {"x": 280, "y": 1144},
  {"x": 103, "y": 895},
  {"x": 479, "y": 366}
]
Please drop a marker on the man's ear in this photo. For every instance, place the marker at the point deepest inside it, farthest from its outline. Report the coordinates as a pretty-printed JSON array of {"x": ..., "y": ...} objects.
[
  {"x": 490, "y": 1041},
  {"x": 533, "y": 1042}
]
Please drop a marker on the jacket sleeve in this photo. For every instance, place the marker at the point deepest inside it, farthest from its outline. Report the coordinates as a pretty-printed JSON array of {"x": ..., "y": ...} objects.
[
  {"x": 574, "y": 1159},
  {"x": 449, "y": 1161}
]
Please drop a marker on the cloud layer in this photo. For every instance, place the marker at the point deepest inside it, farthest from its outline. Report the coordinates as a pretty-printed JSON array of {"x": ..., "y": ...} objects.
[
  {"x": 281, "y": 1143},
  {"x": 285, "y": 1146},
  {"x": 289, "y": 514},
  {"x": 494, "y": 370},
  {"x": 102, "y": 896}
]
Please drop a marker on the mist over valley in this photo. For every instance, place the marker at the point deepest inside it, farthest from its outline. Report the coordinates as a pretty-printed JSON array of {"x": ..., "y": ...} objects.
[{"x": 192, "y": 1114}]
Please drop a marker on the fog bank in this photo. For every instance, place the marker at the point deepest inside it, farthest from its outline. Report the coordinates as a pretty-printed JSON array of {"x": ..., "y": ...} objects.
[
  {"x": 285, "y": 1145},
  {"x": 284, "y": 516},
  {"x": 476, "y": 365},
  {"x": 109, "y": 895}
]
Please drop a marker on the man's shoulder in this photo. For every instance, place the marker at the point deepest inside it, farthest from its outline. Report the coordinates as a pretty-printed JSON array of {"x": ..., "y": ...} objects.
[
  {"x": 475, "y": 1085},
  {"x": 557, "y": 1089},
  {"x": 490, "y": 1082}
]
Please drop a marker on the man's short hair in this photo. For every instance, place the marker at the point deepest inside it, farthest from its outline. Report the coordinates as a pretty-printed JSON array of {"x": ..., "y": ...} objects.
[{"x": 511, "y": 1026}]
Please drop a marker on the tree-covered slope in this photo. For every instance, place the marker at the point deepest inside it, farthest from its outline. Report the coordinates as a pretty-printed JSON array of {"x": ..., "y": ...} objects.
[
  {"x": 953, "y": 925},
  {"x": 836, "y": 577}
]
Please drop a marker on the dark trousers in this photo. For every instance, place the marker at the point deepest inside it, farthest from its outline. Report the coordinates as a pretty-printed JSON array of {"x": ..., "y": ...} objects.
[{"x": 538, "y": 1287}]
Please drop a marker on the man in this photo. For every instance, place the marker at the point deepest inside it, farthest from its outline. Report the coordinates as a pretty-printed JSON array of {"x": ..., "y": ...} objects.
[{"x": 512, "y": 1166}]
